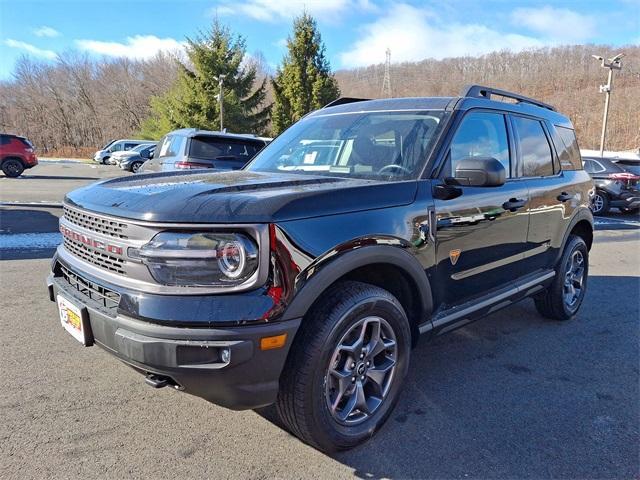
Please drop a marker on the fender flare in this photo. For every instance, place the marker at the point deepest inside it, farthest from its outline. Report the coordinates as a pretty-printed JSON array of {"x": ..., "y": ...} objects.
[
  {"x": 325, "y": 273},
  {"x": 582, "y": 214}
]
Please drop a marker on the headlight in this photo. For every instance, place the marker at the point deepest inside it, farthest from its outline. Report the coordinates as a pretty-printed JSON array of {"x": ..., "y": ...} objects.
[{"x": 199, "y": 259}]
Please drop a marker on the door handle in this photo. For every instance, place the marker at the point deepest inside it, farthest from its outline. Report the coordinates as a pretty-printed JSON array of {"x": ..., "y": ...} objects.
[
  {"x": 564, "y": 196},
  {"x": 514, "y": 204}
]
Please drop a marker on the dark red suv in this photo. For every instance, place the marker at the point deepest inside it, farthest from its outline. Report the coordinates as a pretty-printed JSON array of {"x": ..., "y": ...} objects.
[{"x": 16, "y": 155}]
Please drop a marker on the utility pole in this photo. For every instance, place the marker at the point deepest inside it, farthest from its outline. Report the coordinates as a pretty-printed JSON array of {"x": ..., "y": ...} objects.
[
  {"x": 220, "y": 79},
  {"x": 386, "y": 82},
  {"x": 612, "y": 64}
]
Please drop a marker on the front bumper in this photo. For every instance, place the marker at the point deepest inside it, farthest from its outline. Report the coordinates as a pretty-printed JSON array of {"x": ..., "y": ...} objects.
[{"x": 190, "y": 358}]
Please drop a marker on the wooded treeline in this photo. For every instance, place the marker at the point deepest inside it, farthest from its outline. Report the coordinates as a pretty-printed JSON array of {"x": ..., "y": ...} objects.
[
  {"x": 77, "y": 103},
  {"x": 565, "y": 77}
]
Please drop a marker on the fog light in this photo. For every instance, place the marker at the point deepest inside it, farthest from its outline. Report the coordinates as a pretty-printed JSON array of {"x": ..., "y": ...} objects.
[{"x": 225, "y": 355}]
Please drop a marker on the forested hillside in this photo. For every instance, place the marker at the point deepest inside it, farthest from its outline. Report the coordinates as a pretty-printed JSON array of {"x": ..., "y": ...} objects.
[
  {"x": 566, "y": 77},
  {"x": 76, "y": 104}
]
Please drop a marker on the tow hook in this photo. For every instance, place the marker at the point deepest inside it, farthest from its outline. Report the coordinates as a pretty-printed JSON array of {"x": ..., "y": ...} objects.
[{"x": 160, "y": 381}]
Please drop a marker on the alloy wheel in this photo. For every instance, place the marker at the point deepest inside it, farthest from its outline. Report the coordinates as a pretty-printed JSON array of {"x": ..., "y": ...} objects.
[
  {"x": 598, "y": 203},
  {"x": 361, "y": 371},
  {"x": 574, "y": 279}
]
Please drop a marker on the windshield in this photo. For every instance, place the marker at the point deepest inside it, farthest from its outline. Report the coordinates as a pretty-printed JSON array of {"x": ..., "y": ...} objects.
[
  {"x": 375, "y": 145},
  {"x": 108, "y": 144}
]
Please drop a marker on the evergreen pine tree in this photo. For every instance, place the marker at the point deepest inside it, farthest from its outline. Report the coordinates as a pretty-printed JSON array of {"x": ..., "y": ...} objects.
[
  {"x": 193, "y": 99},
  {"x": 304, "y": 82}
]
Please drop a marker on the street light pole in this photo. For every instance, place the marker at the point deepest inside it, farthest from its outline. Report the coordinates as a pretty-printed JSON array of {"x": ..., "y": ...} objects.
[
  {"x": 220, "y": 79},
  {"x": 612, "y": 64}
]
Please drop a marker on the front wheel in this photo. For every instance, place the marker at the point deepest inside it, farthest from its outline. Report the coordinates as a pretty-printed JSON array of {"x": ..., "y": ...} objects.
[
  {"x": 346, "y": 367},
  {"x": 135, "y": 166},
  {"x": 564, "y": 296}
]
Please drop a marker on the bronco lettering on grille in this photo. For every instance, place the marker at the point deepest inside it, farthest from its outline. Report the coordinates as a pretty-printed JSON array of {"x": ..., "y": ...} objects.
[{"x": 91, "y": 242}]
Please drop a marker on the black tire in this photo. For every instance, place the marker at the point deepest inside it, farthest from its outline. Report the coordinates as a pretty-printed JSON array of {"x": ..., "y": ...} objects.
[
  {"x": 304, "y": 385},
  {"x": 553, "y": 302},
  {"x": 135, "y": 166},
  {"x": 105, "y": 160},
  {"x": 12, "y": 167},
  {"x": 600, "y": 203}
]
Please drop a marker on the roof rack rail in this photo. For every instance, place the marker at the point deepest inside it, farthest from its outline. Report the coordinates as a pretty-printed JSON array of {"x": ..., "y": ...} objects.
[
  {"x": 479, "y": 91},
  {"x": 343, "y": 100}
]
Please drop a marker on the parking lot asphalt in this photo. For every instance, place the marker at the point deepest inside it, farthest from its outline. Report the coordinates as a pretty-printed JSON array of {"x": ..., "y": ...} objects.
[{"x": 510, "y": 396}]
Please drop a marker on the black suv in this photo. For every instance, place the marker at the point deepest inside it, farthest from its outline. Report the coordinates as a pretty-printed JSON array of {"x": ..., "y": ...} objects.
[
  {"x": 306, "y": 279},
  {"x": 616, "y": 186}
]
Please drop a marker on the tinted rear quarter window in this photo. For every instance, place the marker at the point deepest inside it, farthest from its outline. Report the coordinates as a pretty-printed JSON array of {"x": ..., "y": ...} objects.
[
  {"x": 570, "y": 156},
  {"x": 536, "y": 155}
]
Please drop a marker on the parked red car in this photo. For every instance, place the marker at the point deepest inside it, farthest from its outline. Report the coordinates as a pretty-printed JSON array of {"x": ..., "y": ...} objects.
[{"x": 16, "y": 155}]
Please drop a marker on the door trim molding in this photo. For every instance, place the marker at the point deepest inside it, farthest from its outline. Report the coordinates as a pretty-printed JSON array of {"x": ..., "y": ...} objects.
[{"x": 501, "y": 262}]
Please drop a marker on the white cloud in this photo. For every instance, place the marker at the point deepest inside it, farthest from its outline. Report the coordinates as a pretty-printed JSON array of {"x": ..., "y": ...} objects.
[
  {"x": 276, "y": 10},
  {"x": 555, "y": 25},
  {"x": 45, "y": 31},
  {"x": 32, "y": 49},
  {"x": 136, "y": 47},
  {"x": 415, "y": 34}
]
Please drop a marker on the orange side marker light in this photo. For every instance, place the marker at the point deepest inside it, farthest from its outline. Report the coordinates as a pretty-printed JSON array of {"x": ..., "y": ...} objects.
[{"x": 270, "y": 343}]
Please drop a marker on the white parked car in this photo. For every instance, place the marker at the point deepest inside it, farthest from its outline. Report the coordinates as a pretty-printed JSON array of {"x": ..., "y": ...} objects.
[{"x": 103, "y": 155}]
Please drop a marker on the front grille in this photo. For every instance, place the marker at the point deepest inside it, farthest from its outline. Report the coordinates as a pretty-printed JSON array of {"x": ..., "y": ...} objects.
[
  {"x": 101, "y": 259},
  {"x": 91, "y": 222},
  {"x": 99, "y": 294}
]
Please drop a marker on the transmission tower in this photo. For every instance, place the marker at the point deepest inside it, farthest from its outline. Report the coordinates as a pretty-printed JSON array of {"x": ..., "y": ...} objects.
[{"x": 386, "y": 82}]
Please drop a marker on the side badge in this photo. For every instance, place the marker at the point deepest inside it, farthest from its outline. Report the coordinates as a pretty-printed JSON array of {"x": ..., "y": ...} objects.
[{"x": 454, "y": 255}]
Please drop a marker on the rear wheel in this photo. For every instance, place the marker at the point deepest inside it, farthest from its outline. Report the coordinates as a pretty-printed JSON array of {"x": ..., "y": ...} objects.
[
  {"x": 346, "y": 367},
  {"x": 12, "y": 167},
  {"x": 135, "y": 166},
  {"x": 600, "y": 203},
  {"x": 563, "y": 298}
]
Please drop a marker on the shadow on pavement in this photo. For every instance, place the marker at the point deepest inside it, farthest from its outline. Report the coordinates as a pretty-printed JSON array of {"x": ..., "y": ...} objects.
[
  {"x": 55, "y": 177},
  {"x": 27, "y": 221},
  {"x": 518, "y": 396},
  {"x": 27, "y": 234}
]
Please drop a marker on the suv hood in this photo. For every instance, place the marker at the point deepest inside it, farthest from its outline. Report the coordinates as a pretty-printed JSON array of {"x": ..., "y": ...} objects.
[{"x": 236, "y": 196}]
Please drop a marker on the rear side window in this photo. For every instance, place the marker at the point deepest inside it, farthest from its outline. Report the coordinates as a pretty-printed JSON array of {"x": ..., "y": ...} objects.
[
  {"x": 5, "y": 140},
  {"x": 591, "y": 166},
  {"x": 170, "y": 146},
  {"x": 536, "y": 156},
  {"x": 212, "y": 148},
  {"x": 570, "y": 155},
  {"x": 129, "y": 146},
  {"x": 480, "y": 134}
]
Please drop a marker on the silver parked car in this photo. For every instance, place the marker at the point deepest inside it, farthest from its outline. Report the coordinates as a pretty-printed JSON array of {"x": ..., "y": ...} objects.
[
  {"x": 103, "y": 155},
  {"x": 191, "y": 148}
]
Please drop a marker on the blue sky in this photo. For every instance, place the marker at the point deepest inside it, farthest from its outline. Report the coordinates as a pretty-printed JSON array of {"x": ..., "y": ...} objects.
[{"x": 356, "y": 32}]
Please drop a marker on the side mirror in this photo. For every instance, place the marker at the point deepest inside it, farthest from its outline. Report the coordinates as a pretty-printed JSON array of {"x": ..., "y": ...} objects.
[{"x": 480, "y": 172}]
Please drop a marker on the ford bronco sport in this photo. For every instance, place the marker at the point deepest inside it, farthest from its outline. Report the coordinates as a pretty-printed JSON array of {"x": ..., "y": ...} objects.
[{"x": 305, "y": 280}]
